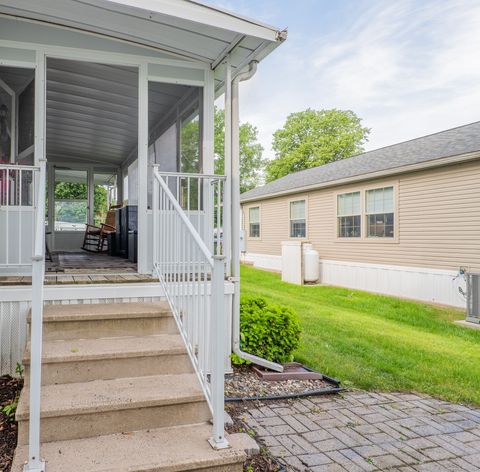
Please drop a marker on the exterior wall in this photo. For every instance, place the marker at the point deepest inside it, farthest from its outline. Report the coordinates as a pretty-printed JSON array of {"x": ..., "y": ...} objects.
[{"x": 437, "y": 224}]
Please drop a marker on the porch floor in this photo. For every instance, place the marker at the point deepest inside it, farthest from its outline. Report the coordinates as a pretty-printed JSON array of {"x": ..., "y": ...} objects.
[{"x": 84, "y": 268}]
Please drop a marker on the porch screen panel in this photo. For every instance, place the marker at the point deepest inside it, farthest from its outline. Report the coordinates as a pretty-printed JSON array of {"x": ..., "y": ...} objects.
[
  {"x": 104, "y": 195},
  {"x": 71, "y": 199}
]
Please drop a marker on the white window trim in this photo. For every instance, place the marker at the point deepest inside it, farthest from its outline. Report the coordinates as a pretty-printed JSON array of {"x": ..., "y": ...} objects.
[
  {"x": 297, "y": 199},
  {"x": 363, "y": 234},
  {"x": 255, "y": 238},
  {"x": 337, "y": 216},
  {"x": 367, "y": 214}
]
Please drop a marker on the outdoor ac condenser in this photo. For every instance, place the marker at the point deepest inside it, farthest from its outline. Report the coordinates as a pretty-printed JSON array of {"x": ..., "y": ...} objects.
[{"x": 473, "y": 297}]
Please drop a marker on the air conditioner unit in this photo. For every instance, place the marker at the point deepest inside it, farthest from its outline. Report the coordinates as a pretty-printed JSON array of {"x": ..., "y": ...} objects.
[{"x": 473, "y": 297}]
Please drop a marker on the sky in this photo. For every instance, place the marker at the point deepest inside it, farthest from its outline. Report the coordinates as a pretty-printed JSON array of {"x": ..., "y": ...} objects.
[{"x": 407, "y": 67}]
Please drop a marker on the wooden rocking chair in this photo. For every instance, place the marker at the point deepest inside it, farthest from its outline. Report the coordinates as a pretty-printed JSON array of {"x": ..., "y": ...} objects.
[{"x": 95, "y": 239}]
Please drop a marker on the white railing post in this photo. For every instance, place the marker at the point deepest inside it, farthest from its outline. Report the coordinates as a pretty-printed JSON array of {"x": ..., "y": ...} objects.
[
  {"x": 155, "y": 212},
  {"x": 218, "y": 335},
  {"x": 35, "y": 463}
]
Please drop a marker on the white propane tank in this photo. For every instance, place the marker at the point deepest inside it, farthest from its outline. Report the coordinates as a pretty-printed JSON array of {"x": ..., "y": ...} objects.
[{"x": 311, "y": 263}]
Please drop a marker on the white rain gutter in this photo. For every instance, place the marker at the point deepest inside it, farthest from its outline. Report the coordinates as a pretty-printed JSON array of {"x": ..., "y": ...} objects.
[{"x": 235, "y": 222}]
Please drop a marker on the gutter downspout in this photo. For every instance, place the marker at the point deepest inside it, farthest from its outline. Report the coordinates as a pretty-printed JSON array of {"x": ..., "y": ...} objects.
[{"x": 235, "y": 223}]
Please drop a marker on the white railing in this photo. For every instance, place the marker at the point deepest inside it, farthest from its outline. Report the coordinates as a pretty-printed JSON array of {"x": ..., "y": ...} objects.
[
  {"x": 22, "y": 243},
  {"x": 17, "y": 216},
  {"x": 35, "y": 462},
  {"x": 187, "y": 219}
]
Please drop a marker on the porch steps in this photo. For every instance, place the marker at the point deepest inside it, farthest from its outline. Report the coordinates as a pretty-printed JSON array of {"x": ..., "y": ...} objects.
[
  {"x": 93, "y": 321},
  {"x": 180, "y": 448},
  {"x": 82, "y": 360},
  {"x": 120, "y": 394}
]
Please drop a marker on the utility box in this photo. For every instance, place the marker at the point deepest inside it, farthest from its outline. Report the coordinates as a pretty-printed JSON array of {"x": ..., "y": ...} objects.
[
  {"x": 473, "y": 297},
  {"x": 292, "y": 262}
]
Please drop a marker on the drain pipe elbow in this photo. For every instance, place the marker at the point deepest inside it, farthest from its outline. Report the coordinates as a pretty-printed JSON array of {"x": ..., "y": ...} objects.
[{"x": 235, "y": 211}]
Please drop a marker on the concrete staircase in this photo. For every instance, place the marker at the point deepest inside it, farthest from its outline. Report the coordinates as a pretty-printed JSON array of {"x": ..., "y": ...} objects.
[{"x": 120, "y": 394}]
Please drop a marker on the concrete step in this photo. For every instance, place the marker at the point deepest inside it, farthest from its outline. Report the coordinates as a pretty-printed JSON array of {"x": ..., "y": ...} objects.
[
  {"x": 62, "y": 322},
  {"x": 100, "y": 407},
  {"x": 175, "y": 449},
  {"x": 83, "y": 360}
]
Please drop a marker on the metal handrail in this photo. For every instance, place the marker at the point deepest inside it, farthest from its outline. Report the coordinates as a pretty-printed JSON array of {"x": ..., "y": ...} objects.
[
  {"x": 193, "y": 232},
  {"x": 193, "y": 279},
  {"x": 190, "y": 175}
]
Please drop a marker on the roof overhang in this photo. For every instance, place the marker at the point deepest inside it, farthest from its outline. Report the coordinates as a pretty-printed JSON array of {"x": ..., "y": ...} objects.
[
  {"x": 184, "y": 29},
  {"x": 444, "y": 161}
]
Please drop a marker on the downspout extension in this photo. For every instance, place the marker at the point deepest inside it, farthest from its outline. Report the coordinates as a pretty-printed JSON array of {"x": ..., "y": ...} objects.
[{"x": 235, "y": 211}]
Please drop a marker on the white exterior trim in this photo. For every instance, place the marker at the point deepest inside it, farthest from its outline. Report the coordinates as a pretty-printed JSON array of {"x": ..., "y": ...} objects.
[{"x": 439, "y": 286}]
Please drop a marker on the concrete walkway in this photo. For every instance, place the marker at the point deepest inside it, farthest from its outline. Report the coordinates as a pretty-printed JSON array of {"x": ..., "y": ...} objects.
[{"x": 360, "y": 431}]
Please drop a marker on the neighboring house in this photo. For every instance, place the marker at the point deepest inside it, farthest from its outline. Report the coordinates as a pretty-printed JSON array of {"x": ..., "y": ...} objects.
[
  {"x": 401, "y": 220},
  {"x": 120, "y": 94}
]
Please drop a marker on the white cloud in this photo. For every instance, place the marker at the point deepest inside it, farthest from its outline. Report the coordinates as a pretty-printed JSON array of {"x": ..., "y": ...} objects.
[{"x": 407, "y": 68}]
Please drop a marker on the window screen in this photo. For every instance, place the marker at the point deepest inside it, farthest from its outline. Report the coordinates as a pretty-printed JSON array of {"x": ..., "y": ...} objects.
[
  {"x": 254, "y": 222},
  {"x": 348, "y": 215},
  {"x": 297, "y": 219},
  {"x": 379, "y": 209}
]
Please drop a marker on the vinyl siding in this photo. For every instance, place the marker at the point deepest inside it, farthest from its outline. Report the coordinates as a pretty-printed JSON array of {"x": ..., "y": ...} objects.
[{"x": 437, "y": 221}]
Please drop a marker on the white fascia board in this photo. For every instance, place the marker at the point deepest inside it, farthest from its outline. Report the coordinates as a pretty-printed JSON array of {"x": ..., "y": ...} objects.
[
  {"x": 198, "y": 13},
  {"x": 444, "y": 161}
]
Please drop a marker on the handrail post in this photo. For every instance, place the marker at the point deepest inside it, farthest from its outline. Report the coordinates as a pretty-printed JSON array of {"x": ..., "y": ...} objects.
[
  {"x": 155, "y": 223},
  {"x": 35, "y": 464},
  {"x": 219, "y": 334}
]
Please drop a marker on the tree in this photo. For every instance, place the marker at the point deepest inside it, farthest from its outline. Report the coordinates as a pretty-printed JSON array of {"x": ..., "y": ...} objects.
[
  {"x": 311, "y": 138},
  {"x": 251, "y": 161}
]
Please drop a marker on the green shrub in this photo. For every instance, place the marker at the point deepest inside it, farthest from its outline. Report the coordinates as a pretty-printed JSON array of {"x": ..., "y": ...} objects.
[{"x": 267, "y": 330}]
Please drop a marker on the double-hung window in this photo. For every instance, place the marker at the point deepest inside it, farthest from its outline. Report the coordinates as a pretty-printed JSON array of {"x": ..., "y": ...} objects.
[
  {"x": 380, "y": 213},
  {"x": 349, "y": 220},
  {"x": 298, "y": 223},
  {"x": 254, "y": 222}
]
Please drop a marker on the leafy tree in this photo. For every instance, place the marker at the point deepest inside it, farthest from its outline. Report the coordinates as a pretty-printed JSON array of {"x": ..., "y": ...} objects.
[
  {"x": 311, "y": 138},
  {"x": 251, "y": 161}
]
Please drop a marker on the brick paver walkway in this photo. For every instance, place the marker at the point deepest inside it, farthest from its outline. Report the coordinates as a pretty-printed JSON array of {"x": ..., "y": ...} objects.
[{"x": 360, "y": 431}]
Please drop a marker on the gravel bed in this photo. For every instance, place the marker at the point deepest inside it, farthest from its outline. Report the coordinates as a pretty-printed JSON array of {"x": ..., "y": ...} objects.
[
  {"x": 244, "y": 383},
  {"x": 9, "y": 391}
]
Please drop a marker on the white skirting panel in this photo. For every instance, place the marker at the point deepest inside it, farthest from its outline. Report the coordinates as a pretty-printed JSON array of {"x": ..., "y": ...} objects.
[
  {"x": 15, "y": 306},
  {"x": 262, "y": 261},
  {"x": 417, "y": 283}
]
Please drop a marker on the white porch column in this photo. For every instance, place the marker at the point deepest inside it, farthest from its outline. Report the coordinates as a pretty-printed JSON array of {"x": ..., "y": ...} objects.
[
  {"x": 208, "y": 132},
  {"x": 143, "y": 234}
]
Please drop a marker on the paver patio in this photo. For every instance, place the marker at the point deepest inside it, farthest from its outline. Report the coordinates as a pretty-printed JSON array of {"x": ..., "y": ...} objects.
[{"x": 359, "y": 431}]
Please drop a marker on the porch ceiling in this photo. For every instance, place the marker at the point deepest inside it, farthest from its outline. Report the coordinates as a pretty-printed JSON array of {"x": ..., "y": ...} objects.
[
  {"x": 183, "y": 28},
  {"x": 92, "y": 111}
]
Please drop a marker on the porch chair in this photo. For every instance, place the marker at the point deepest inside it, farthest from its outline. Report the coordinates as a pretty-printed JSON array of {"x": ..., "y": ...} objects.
[{"x": 95, "y": 239}]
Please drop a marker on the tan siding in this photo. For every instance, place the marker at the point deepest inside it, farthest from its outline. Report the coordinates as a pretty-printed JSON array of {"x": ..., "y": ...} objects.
[{"x": 438, "y": 221}]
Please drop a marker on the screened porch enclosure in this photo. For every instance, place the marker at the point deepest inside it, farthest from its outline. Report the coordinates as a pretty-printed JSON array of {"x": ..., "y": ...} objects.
[{"x": 91, "y": 149}]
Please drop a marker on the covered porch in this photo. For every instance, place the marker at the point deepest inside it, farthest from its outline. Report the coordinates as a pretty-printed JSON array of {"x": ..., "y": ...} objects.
[{"x": 108, "y": 132}]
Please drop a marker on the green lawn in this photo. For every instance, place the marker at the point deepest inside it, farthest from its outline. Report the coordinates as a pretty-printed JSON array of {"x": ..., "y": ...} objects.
[{"x": 376, "y": 342}]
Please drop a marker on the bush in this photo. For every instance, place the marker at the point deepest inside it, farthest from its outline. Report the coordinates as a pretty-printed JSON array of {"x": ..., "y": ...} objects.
[{"x": 267, "y": 330}]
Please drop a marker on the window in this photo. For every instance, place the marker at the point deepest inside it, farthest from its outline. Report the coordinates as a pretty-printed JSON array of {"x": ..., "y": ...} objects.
[
  {"x": 297, "y": 219},
  {"x": 71, "y": 199},
  {"x": 379, "y": 210},
  {"x": 254, "y": 222},
  {"x": 348, "y": 215}
]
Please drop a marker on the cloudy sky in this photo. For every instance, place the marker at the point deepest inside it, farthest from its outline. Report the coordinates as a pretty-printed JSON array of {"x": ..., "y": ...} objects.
[{"x": 407, "y": 67}]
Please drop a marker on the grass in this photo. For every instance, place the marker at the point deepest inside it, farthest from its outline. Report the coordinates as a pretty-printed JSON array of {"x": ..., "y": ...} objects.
[{"x": 376, "y": 342}]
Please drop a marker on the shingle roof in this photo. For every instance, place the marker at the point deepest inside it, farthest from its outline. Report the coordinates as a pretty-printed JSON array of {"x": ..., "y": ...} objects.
[{"x": 452, "y": 142}]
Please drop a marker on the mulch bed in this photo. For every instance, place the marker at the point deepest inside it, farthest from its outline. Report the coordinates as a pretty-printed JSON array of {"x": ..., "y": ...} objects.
[
  {"x": 9, "y": 391},
  {"x": 262, "y": 462},
  {"x": 245, "y": 383}
]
